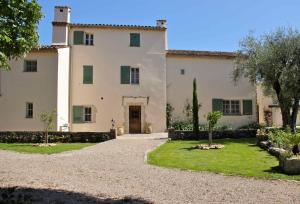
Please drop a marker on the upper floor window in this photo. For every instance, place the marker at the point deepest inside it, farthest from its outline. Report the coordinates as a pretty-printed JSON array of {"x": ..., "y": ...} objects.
[
  {"x": 130, "y": 75},
  {"x": 89, "y": 39},
  {"x": 29, "y": 110},
  {"x": 87, "y": 74},
  {"x": 182, "y": 72},
  {"x": 231, "y": 107},
  {"x": 82, "y": 38},
  {"x": 135, "y": 40},
  {"x": 30, "y": 66}
]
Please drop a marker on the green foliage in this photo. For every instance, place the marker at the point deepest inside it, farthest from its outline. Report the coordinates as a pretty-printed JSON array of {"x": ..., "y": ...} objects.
[
  {"x": 286, "y": 140},
  {"x": 213, "y": 118},
  {"x": 273, "y": 61},
  {"x": 188, "y": 126},
  {"x": 239, "y": 157},
  {"x": 169, "y": 114},
  {"x": 18, "y": 33},
  {"x": 251, "y": 126},
  {"x": 195, "y": 108},
  {"x": 48, "y": 119},
  {"x": 188, "y": 110}
]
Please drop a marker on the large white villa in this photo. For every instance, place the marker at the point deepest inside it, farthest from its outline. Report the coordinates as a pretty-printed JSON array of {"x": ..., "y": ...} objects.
[{"x": 93, "y": 73}]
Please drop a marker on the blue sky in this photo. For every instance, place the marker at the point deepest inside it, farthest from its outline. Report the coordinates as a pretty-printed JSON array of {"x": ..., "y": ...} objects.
[{"x": 192, "y": 24}]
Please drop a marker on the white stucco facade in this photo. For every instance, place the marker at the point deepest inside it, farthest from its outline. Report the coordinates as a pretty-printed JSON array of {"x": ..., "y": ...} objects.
[
  {"x": 59, "y": 81},
  {"x": 214, "y": 80}
]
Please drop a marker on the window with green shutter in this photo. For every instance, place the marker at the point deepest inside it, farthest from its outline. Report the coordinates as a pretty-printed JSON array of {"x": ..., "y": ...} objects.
[
  {"x": 87, "y": 74},
  {"x": 77, "y": 114},
  {"x": 217, "y": 104},
  {"x": 78, "y": 37},
  {"x": 125, "y": 74},
  {"x": 247, "y": 107},
  {"x": 135, "y": 40}
]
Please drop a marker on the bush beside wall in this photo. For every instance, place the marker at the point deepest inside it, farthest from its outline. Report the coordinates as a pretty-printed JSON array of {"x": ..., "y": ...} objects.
[
  {"x": 222, "y": 134},
  {"x": 64, "y": 137}
]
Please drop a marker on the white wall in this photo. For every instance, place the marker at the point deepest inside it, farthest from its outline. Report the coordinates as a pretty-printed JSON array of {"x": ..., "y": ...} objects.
[
  {"x": 111, "y": 50},
  {"x": 63, "y": 88},
  {"x": 19, "y": 87},
  {"x": 213, "y": 81}
]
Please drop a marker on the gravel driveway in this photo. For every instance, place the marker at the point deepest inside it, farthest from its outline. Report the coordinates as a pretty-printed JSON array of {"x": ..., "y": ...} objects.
[{"x": 116, "y": 169}]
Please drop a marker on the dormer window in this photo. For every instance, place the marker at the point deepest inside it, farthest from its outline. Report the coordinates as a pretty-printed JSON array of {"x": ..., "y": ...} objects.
[{"x": 89, "y": 39}]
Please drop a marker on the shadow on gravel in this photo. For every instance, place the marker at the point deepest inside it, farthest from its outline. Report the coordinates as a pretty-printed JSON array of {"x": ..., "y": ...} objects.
[{"x": 20, "y": 195}]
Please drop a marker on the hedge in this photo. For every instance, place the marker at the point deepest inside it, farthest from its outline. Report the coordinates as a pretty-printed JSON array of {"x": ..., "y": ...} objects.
[
  {"x": 63, "y": 137},
  {"x": 221, "y": 134}
]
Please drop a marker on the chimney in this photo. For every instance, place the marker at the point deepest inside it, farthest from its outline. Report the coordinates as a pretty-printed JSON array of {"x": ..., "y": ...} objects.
[
  {"x": 60, "y": 32},
  {"x": 161, "y": 23}
]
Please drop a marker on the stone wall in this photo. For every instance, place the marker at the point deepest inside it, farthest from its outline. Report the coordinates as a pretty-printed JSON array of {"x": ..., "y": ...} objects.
[
  {"x": 64, "y": 137},
  {"x": 189, "y": 135}
]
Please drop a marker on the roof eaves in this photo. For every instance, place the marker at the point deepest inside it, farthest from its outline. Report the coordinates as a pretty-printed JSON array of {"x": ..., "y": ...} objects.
[{"x": 114, "y": 26}]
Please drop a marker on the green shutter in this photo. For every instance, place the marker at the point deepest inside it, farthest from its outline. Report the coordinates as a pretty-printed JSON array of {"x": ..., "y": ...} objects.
[
  {"x": 125, "y": 74},
  {"x": 78, "y": 37},
  {"x": 134, "y": 40},
  {"x": 217, "y": 104},
  {"x": 87, "y": 74},
  {"x": 247, "y": 107},
  {"x": 77, "y": 114}
]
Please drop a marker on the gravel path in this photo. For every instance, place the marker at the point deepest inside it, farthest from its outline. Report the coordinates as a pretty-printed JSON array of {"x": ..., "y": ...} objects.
[{"x": 116, "y": 169}]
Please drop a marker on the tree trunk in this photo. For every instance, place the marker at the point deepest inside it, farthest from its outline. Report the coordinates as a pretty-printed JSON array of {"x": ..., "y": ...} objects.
[
  {"x": 209, "y": 135},
  {"x": 295, "y": 110},
  {"x": 46, "y": 139},
  {"x": 284, "y": 107}
]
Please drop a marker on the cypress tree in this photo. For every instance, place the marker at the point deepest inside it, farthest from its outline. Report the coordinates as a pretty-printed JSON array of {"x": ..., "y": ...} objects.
[{"x": 195, "y": 109}]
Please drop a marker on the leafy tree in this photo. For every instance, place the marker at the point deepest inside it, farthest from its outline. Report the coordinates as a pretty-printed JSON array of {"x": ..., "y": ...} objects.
[
  {"x": 48, "y": 118},
  {"x": 195, "y": 109},
  {"x": 169, "y": 114},
  {"x": 212, "y": 118},
  {"x": 273, "y": 61},
  {"x": 18, "y": 33}
]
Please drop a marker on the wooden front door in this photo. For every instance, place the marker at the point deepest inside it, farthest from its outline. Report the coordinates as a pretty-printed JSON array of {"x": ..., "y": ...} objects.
[{"x": 135, "y": 119}]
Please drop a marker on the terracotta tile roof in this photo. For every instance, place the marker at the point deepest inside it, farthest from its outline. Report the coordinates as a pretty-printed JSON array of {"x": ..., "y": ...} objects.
[
  {"x": 47, "y": 48},
  {"x": 114, "y": 26},
  {"x": 194, "y": 53}
]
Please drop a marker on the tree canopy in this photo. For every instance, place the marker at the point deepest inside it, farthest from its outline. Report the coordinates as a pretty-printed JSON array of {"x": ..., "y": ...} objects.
[
  {"x": 273, "y": 61},
  {"x": 18, "y": 33}
]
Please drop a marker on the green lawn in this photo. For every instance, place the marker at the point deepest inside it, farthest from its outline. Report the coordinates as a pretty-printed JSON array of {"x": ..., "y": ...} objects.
[
  {"x": 239, "y": 157},
  {"x": 28, "y": 148}
]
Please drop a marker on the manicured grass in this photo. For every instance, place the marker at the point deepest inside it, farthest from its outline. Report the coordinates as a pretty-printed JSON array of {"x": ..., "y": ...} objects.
[
  {"x": 239, "y": 157},
  {"x": 28, "y": 148}
]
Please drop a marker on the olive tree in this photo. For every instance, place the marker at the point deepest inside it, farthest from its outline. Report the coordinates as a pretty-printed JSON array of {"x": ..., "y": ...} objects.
[
  {"x": 48, "y": 119},
  {"x": 212, "y": 118},
  {"x": 18, "y": 33},
  {"x": 273, "y": 61}
]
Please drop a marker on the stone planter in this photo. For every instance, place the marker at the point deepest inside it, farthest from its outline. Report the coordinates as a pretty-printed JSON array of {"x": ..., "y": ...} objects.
[
  {"x": 290, "y": 165},
  {"x": 120, "y": 130},
  {"x": 148, "y": 128}
]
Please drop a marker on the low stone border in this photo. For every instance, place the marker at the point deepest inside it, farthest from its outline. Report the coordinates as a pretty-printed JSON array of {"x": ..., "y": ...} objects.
[
  {"x": 288, "y": 165},
  {"x": 64, "y": 137},
  {"x": 222, "y": 134}
]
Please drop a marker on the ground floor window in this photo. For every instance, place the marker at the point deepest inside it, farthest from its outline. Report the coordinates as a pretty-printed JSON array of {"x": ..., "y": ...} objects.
[
  {"x": 29, "y": 110},
  {"x": 87, "y": 114},
  {"x": 231, "y": 107},
  {"x": 83, "y": 114}
]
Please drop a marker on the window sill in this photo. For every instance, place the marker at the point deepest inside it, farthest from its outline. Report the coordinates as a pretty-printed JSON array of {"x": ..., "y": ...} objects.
[{"x": 232, "y": 114}]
